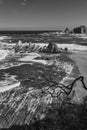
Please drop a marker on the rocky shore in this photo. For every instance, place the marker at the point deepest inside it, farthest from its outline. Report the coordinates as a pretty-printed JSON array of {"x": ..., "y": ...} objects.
[{"x": 43, "y": 88}]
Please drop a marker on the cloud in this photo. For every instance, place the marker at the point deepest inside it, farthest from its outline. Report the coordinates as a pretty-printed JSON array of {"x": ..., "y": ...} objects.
[{"x": 24, "y": 2}]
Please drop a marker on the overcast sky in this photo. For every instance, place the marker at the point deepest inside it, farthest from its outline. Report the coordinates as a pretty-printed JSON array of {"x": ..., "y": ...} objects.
[{"x": 42, "y": 14}]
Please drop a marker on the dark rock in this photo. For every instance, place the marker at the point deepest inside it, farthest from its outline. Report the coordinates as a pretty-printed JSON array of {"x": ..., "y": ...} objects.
[
  {"x": 80, "y": 30},
  {"x": 52, "y": 48},
  {"x": 67, "y": 30}
]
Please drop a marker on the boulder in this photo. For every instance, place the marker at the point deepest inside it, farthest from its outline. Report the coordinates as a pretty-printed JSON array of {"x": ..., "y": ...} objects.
[
  {"x": 80, "y": 30},
  {"x": 67, "y": 31},
  {"x": 52, "y": 48}
]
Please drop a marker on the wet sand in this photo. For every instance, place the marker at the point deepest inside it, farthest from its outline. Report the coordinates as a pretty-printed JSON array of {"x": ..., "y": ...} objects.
[{"x": 80, "y": 59}]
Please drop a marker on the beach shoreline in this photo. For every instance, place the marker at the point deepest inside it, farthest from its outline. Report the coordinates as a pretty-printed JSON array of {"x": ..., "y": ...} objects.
[{"x": 80, "y": 59}]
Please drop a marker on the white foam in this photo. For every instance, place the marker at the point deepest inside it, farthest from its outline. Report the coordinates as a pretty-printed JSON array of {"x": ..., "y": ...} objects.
[
  {"x": 69, "y": 46},
  {"x": 3, "y": 54},
  {"x": 83, "y": 36},
  {"x": 9, "y": 87},
  {"x": 72, "y": 47},
  {"x": 41, "y": 44},
  {"x": 4, "y": 37},
  {"x": 31, "y": 57}
]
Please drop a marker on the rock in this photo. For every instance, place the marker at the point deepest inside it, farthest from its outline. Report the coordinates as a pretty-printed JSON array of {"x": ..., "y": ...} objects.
[
  {"x": 30, "y": 47},
  {"x": 80, "y": 30},
  {"x": 52, "y": 48},
  {"x": 67, "y": 31}
]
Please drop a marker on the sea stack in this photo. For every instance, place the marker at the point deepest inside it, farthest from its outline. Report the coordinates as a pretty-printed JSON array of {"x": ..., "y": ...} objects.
[{"x": 52, "y": 48}]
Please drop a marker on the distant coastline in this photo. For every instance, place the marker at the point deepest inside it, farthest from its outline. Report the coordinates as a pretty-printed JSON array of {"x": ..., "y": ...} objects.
[{"x": 26, "y": 31}]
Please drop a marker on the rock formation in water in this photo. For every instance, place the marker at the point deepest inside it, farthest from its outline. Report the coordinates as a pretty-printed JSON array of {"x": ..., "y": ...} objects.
[
  {"x": 67, "y": 31},
  {"x": 52, "y": 48},
  {"x": 80, "y": 30},
  {"x": 30, "y": 47}
]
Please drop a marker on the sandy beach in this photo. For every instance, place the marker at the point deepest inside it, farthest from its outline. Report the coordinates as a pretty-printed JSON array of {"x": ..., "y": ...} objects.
[{"x": 80, "y": 59}]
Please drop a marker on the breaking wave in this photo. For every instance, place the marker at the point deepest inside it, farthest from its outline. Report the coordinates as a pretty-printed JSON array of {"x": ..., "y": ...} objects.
[
  {"x": 3, "y": 54},
  {"x": 72, "y": 47}
]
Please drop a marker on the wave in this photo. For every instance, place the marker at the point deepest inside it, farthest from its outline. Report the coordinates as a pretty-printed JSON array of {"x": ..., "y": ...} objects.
[
  {"x": 3, "y": 54},
  {"x": 73, "y": 47},
  {"x": 9, "y": 87}
]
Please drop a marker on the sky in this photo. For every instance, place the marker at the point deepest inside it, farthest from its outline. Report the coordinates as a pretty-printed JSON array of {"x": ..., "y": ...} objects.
[{"x": 42, "y": 14}]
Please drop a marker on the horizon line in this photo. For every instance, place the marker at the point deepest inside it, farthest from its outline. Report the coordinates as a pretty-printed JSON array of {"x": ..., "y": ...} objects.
[{"x": 38, "y": 28}]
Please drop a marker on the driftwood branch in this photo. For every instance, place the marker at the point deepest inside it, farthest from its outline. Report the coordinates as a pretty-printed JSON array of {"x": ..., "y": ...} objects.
[{"x": 67, "y": 89}]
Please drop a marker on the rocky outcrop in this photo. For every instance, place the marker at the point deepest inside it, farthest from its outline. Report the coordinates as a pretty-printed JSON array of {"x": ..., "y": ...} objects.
[
  {"x": 31, "y": 47},
  {"x": 27, "y": 47},
  {"x": 52, "y": 48},
  {"x": 80, "y": 30},
  {"x": 67, "y": 31}
]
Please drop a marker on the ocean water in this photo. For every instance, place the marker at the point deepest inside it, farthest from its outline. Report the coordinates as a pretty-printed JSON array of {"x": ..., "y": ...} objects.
[{"x": 73, "y": 47}]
